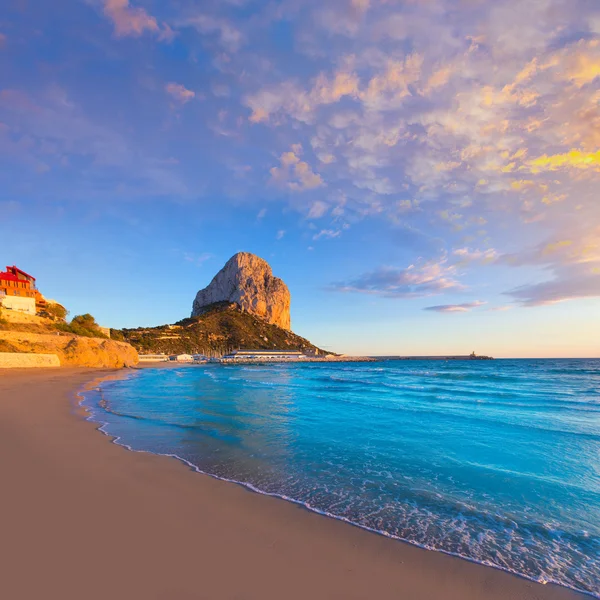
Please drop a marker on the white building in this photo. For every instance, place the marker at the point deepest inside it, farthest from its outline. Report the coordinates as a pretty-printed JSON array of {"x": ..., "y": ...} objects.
[
  {"x": 182, "y": 357},
  {"x": 153, "y": 357},
  {"x": 263, "y": 355}
]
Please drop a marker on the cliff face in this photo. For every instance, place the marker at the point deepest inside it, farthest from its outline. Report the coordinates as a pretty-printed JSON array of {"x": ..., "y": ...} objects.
[
  {"x": 248, "y": 281},
  {"x": 71, "y": 350}
]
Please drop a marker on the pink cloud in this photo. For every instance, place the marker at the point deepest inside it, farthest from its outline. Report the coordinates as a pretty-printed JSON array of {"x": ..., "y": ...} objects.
[
  {"x": 134, "y": 21},
  {"x": 455, "y": 308},
  {"x": 179, "y": 92},
  {"x": 412, "y": 282}
]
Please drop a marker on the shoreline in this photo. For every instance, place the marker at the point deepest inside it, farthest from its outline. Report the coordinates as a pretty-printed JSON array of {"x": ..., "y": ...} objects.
[{"x": 281, "y": 550}]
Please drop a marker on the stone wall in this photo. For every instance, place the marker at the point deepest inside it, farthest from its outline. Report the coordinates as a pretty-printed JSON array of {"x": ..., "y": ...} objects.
[{"x": 19, "y": 360}]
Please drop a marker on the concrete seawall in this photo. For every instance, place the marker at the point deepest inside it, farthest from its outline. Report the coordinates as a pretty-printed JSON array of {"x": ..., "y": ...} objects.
[{"x": 20, "y": 360}]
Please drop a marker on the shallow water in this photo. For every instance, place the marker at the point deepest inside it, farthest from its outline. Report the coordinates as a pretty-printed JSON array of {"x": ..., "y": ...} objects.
[{"x": 495, "y": 461}]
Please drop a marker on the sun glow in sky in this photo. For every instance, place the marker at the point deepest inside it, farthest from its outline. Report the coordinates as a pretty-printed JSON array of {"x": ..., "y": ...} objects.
[{"x": 423, "y": 174}]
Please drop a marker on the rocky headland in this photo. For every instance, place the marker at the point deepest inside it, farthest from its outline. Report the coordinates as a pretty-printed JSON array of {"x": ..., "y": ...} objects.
[
  {"x": 244, "y": 307},
  {"x": 247, "y": 281},
  {"x": 223, "y": 327}
]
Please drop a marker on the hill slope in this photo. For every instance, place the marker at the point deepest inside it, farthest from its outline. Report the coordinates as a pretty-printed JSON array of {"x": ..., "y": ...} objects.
[
  {"x": 28, "y": 334},
  {"x": 223, "y": 327}
]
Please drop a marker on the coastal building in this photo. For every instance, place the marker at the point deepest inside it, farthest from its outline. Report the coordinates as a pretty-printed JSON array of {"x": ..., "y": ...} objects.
[
  {"x": 182, "y": 357},
  {"x": 18, "y": 291},
  {"x": 153, "y": 357},
  {"x": 263, "y": 355}
]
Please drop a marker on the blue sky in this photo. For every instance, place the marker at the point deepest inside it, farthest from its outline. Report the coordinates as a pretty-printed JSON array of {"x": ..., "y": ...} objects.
[{"x": 423, "y": 174}]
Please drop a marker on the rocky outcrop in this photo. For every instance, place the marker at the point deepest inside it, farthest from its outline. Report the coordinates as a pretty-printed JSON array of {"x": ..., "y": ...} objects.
[
  {"x": 248, "y": 281},
  {"x": 71, "y": 350}
]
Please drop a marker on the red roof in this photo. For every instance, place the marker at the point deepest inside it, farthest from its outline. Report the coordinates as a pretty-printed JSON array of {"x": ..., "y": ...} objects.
[
  {"x": 12, "y": 274},
  {"x": 14, "y": 268}
]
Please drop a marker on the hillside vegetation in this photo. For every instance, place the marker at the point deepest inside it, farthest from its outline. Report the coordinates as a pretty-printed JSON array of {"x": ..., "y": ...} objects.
[{"x": 222, "y": 328}]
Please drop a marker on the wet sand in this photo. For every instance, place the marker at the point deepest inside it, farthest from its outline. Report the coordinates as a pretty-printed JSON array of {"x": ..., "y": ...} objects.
[{"x": 84, "y": 519}]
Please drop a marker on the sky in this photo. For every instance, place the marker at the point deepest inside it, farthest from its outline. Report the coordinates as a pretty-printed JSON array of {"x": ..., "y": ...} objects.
[{"x": 423, "y": 174}]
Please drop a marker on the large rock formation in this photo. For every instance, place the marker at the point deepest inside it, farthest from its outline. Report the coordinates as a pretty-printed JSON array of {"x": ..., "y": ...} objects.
[{"x": 248, "y": 281}]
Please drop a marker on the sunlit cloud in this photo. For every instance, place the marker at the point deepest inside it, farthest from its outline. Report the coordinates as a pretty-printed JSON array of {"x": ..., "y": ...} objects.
[
  {"x": 574, "y": 283},
  {"x": 227, "y": 34},
  {"x": 317, "y": 210},
  {"x": 473, "y": 125},
  {"x": 455, "y": 308},
  {"x": 327, "y": 234},
  {"x": 411, "y": 282},
  {"x": 574, "y": 159},
  {"x": 294, "y": 173},
  {"x": 134, "y": 21},
  {"x": 468, "y": 255},
  {"x": 179, "y": 93}
]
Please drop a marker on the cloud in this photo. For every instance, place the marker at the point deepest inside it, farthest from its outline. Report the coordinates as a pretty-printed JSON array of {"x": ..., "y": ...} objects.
[
  {"x": 287, "y": 98},
  {"x": 468, "y": 255},
  {"x": 388, "y": 89},
  {"x": 342, "y": 18},
  {"x": 412, "y": 282},
  {"x": 455, "y": 308},
  {"x": 574, "y": 283},
  {"x": 317, "y": 210},
  {"x": 501, "y": 308},
  {"x": 573, "y": 262},
  {"x": 327, "y": 234},
  {"x": 134, "y": 21},
  {"x": 477, "y": 131},
  {"x": 228, "y": 36},
  {"x": 384, "y": 90},
  {"x": 559, "y": 252},
  {"x": 280, "y": 234},
  {"x": 294, "y": 173},
  {"x": 197, "y": 259},
  {"x": 50, "y": 131},
  {"x": 474, "y": 124},
  {"x": 179, "y": 92},
  {"x": 575, "y": 159}
]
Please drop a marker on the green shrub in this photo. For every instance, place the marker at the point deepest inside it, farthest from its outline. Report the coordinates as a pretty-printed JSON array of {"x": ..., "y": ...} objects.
[
  {"x": 117, "y": 334},
  {"x": 55, "y": 311},
  {"x": 83, "y": 325}
]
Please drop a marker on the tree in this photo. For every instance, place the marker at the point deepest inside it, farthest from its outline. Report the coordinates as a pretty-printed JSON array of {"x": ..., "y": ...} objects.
[
  {"x": 56, "y": 311},
  {"x": 84, "y": 325},
  {"x": 85, "y": 321}
]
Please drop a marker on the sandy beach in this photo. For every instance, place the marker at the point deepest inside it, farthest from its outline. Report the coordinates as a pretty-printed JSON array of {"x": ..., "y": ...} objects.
[{"x": 82, "y": 518}]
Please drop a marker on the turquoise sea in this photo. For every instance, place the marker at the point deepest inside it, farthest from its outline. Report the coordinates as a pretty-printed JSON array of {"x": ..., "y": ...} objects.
[{"x": 495, "y": 461}]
